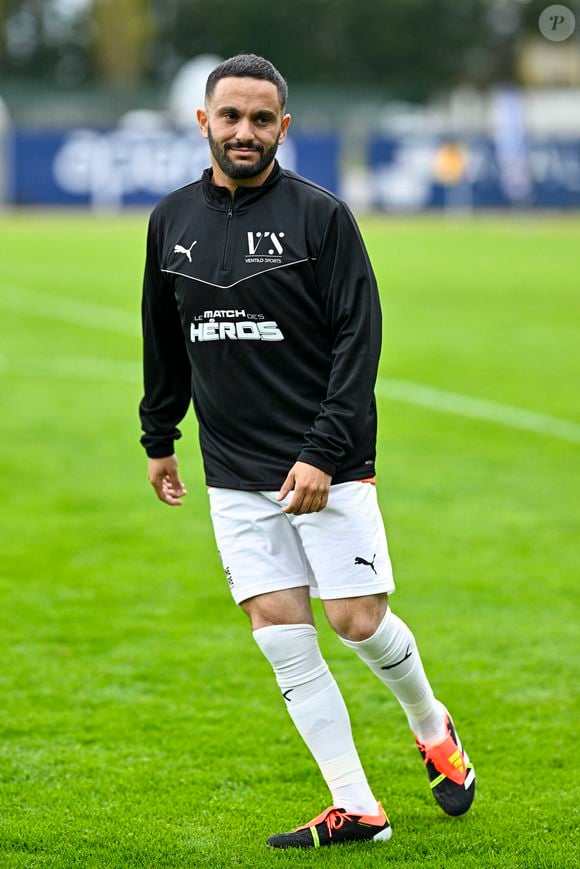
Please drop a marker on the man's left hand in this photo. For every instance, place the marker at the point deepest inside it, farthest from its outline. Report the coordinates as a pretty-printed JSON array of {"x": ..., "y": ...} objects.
[{"x": 311, "y": 487}]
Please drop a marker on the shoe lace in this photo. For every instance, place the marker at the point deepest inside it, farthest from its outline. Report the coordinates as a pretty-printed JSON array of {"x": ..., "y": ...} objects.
[
  {"x": 335, "y": 819},
  {"x": 434, "y": 751},
  {"x": 442, "y": 756},
  {"x": 423, "y": 749},
  {"x": 431, "y": 754}
]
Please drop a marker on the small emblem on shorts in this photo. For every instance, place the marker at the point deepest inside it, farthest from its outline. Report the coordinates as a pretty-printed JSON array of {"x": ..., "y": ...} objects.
[
  {"x": 371, "y": 564},
  {"x": 229, "y": 577},
  {"x": 285, "y": 695}
]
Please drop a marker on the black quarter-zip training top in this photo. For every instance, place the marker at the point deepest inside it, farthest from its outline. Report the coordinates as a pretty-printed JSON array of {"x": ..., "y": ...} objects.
[{"x": 263, "y": 308}]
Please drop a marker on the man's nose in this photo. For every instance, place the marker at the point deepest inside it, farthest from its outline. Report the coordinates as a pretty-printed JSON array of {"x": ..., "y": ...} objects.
[{"x": 244, "y": 129}]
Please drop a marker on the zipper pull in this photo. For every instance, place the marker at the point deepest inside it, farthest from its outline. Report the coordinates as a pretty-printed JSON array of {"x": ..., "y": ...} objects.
[{"x": 230, "y": 212}]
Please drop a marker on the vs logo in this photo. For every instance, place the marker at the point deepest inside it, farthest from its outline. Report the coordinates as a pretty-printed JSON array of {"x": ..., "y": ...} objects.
[{"x": 274, "y": 248}]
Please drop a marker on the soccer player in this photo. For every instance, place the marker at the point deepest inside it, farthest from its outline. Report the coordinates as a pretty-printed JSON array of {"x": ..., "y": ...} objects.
[{"x": 260, "y": 302}]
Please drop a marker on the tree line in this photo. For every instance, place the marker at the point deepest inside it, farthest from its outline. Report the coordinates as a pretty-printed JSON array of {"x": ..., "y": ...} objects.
[{"x": 409, "y": 48}]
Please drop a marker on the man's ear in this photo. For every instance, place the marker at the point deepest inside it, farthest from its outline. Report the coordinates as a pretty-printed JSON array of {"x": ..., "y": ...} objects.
[
  {"x": 202, "y": 120},
  {"x": 284, "y": 128}
]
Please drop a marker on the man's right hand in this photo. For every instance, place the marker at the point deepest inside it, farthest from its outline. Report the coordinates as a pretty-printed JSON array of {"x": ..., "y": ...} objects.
[{"x": 164, "y": 477}]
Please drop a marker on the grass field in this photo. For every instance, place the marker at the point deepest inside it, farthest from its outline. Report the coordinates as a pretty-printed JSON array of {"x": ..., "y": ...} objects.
[{"x": 140, "y": 726}]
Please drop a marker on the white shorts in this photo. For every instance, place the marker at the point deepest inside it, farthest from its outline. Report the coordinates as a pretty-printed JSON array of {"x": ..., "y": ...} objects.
[{"x": 339, "y": 552}]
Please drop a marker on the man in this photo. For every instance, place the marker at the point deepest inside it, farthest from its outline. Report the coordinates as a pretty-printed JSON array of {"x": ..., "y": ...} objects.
[{"x": 260, "y": 302}]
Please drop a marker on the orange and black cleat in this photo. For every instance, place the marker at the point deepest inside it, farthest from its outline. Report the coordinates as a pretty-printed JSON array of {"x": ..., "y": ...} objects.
[
  {"x": 451, "y": 774},
  {"x": 334, "y": 827}
]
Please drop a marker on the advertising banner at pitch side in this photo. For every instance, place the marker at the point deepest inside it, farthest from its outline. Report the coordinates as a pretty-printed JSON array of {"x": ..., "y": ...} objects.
[
  {"x": 414, "y": 173},
  {"x": 125, "y": 167}
]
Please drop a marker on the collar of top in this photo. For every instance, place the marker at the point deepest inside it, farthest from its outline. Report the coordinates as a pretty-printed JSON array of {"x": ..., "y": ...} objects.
[{"x": 219, "y": 197}]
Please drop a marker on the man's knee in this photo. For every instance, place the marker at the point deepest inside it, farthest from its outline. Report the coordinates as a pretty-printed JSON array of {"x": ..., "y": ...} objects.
[
  {"x": 356, "y": 618},
  {"x": 287, "y": 607}
]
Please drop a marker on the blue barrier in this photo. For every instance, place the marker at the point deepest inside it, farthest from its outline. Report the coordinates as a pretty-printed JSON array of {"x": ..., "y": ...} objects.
[
  {"x": 124, "y": 167},
  {"x": 409, "y": 173}
]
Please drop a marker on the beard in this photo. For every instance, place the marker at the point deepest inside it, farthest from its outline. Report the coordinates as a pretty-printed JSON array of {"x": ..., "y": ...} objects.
[{"x": 238, "y": 171}]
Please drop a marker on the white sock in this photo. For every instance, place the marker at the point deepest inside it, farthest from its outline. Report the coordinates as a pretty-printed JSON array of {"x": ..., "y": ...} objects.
[
  {"x": 392, "y": 654},
  {"x": 317, "y": 709}
]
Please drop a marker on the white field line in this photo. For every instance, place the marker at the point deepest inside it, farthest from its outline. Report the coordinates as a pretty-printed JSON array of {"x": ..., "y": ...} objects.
[
  {"x": 477, "y": 408},
  {"x": 51, "y": 307},
  {"x": 70, "y": 367},
  {"x": 112, "y": 319}
]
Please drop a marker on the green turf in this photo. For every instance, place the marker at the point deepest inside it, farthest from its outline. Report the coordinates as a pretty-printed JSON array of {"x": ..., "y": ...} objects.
[{"x": 140, "y": 726}]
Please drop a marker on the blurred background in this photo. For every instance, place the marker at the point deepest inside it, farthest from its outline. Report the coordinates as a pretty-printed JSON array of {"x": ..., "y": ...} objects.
[
  {"x": 131, "y": 698},
  {"x": 399, "y": 106}
]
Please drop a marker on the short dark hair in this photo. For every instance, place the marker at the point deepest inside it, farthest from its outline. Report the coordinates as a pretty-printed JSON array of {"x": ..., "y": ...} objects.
[{"x": 248, "y": 66}]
